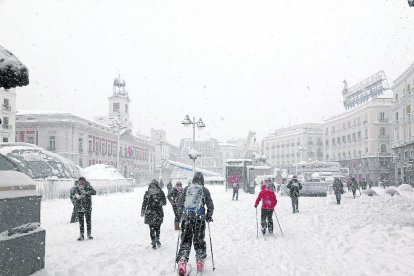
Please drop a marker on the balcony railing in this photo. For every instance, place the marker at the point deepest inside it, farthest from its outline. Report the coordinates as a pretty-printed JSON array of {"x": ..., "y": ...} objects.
[
  {"x": 383, "y": 120},
  {"x": 7, "y": 127},
  {"x": 383, "y": 137},
  {"x": 6, "y": 107}
]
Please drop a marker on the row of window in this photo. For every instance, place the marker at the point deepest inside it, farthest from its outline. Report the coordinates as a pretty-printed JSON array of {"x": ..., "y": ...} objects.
[
  {"x": 355, "y": 122},
  {"x": 383, "y": 149}
]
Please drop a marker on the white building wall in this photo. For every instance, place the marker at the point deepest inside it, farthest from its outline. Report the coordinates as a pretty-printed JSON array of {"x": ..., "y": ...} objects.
[{"x": 7, "y": 114}]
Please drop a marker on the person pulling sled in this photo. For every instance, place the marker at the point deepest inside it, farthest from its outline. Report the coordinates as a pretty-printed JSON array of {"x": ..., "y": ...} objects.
[{"x": 192, "y": 205}]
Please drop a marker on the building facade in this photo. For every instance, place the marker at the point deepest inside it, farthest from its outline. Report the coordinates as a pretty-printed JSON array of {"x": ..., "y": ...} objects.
[
  {"x": 87, "y": 143},
  {"x": 210, "y": 159},
  {"x": 163, "y": 151},
  {"x": 360, "y": 139},
  {"x": 287, "y": 146},
  {"x": 7, "y": 114},
  {"x": 403, "y": 144}
]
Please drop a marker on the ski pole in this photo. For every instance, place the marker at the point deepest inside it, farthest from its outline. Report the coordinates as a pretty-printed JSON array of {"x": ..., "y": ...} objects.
[
  {"x": 278, "y": 223},
  {"x": 211, "y": 245},
  {"x": 176, "y": 251},
  {"x": 257, "y": 225}
]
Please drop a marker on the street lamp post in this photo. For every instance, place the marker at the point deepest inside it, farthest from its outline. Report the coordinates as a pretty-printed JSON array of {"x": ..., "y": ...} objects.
[
  {"x": 301, "y": 150},
  {"x": 199, "y": 124}
]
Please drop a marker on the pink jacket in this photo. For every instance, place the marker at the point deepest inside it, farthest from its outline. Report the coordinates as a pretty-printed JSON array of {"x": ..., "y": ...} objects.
[{"x": 267, "y": 197}]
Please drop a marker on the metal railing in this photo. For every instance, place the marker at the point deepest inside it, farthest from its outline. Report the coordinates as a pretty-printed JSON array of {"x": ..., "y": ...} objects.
[
  {"x": 60, "y": 188},
  {"x": 7, "y": 107}
]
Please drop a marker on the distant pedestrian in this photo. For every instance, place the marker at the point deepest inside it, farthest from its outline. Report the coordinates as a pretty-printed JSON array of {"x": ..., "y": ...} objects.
[
  {"x": 161, "y": 184},
  {"x": 169, "y": 188},
  {"x": 154, "y": 200},
  {"x": 354, "y": 186},
  {"x": 236, "y": 187},
  {"x": 83, "y": 194},
  {"x": 173, "y": 198},
  {"x": 269, "y": 201},
  {"x": 338, "y": 188},
  {"x": 294, "y": 186},
  {"x": 74, "y": 218}
]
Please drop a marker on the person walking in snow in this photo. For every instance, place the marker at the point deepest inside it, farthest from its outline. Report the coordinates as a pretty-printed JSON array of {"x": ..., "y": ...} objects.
[
  {"x": 152, "y": 204},
  {"x": 294, "y": 186},
  {"x": 83, "y": 194},
  {"x": 173, "y": 198},
  {"x": 338, "y": 188},
  {"x": 354, "y": 186},
  {"x": 269, "y": 201},
  {"x": 270, "y": 184},
  {"x": 192, "y": 205},
  {"x": 236, "y": 187},
  {"x": 169, "y": 187},
  {"x": 74, "y": 218}
]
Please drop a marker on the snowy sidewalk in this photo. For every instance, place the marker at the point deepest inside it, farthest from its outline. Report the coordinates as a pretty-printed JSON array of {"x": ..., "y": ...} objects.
[{"x": 363, "y": 236}]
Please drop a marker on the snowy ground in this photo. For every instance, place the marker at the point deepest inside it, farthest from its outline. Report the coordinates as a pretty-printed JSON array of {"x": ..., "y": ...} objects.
[{"x": 363, "y": 236}]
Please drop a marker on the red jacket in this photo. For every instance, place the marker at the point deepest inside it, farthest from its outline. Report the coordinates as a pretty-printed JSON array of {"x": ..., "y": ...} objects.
[{"x": 267, "y": 197}]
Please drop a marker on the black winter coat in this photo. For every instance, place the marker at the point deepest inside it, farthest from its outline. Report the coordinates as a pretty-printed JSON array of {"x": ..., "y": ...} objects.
[
  {"x": 294, "y": 186},
  {"x": 338, "y": 186},
  {"x": 83, "y": 197},
  {"x": 152, "y": 207},
  {"x": 174, "y": 196}
]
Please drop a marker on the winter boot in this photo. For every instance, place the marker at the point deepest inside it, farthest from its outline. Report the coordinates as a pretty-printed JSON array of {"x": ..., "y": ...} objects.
[
  {"x": 182, "y": 267},
  {"x": 157, "y": 241},
  {"x": 264, "y": 231},
  {"x": 200, "y": 265},
  {"x": 154, "y": 245},
  {"x": 90, "y": 237},
  {"x": 81, "y": 238}
]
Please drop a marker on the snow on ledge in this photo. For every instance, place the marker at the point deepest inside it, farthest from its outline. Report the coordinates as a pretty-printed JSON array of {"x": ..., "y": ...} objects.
[{"x": 13, "y": 178}]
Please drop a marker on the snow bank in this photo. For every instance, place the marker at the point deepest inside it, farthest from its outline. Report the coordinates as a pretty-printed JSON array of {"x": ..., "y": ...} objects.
[
  {"x": 392, "y": 192},
  {"x": 102, "y": 171},
  {"x": 13, "y": 178},
  {"x": 370, "y": 192},
  {"x": 405, "y": 188}
]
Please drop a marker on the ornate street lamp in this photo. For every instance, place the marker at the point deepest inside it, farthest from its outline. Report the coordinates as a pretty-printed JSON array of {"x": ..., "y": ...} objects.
[{"x": 193, "y": 154}]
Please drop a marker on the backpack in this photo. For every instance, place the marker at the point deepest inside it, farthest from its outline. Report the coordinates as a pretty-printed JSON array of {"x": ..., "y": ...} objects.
[{"x": 194, "y": 200}]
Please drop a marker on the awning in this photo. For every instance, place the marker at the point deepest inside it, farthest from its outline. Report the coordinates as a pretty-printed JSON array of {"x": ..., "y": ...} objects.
[{"x": 12, "y": 71}]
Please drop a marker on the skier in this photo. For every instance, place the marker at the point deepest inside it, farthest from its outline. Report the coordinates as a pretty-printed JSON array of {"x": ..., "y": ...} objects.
[
  {"x": 74, "y": 217},
  {"x": 236, "y": 186},
  {"x": 354, "y": 186},
  {"x": 191, "y": 205},
  {"x": 269, "y": 201},
  {"x": 152, "y": 204},
  {"x": 173, "y": 198},
  {"x": 338, "y": 188},
  {"x": 83, "y": 194},
  {"x": 169, "y": 187},
  {"x": 294, "y": 186}
]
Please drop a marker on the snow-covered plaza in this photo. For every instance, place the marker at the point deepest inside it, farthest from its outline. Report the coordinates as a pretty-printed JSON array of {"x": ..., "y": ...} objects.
[{"x": 362, "y": 236}]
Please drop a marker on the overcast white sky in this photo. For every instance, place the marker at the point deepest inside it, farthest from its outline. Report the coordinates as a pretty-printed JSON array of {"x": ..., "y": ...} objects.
[{"x": 240, "y": 65}]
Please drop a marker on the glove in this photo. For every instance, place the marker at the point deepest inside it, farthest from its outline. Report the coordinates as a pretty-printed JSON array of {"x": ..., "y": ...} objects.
[
  {"x": 255, "y": 206},
  {"x": 209, "y": 219},
  {"x": 142, "y": 214}
]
